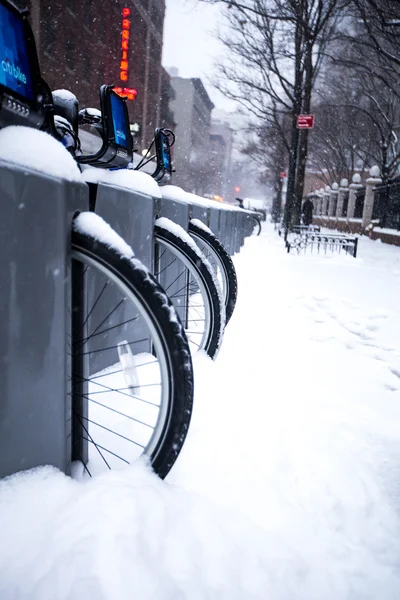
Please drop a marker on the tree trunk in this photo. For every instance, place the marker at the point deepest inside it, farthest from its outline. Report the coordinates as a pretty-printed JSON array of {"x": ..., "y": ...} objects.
[{"x": 276, "y": 210}]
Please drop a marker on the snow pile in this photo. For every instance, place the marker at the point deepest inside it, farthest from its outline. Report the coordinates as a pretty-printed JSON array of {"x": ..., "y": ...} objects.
[
  {"x": 126, "y": 178},
  {"x": 287, "y": 487},
  {"x": 179, "y": 232},
  {"x": 39, "y": 151},
  {"x": 92, "y": 225},
  {"x": 65, "y": 95},
  {"x": 174, "y": 193},
  {"x": 199, "y": 200},
  {"x": 122, "y": 535},
  {"x": 297, "y": 424},
  {"x": 201, "y": 225},
  {"x": 386, "y": 230}
]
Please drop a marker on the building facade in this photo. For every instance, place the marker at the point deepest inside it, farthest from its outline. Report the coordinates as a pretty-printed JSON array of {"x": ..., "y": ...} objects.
[
  {"x": 83, "y": 45},
  {"x": 192, "y": 111},
  {"x": 221, "y": 143}
]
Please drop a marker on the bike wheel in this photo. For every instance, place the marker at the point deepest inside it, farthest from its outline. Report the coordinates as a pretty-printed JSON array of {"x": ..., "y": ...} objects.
[
  {"x": 191, "y": 284},
  {"x": 220, "y": 260},
  {"x": 132, "y": 378},
  {"x": 257, "y": 225}
]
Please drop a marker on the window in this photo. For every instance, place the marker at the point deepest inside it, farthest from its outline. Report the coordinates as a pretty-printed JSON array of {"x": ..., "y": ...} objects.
[
  {"x": 86, "y": 67},
  {"x": 49, "y": 36},
  {"x": 69, "y": 54},
  {"x": 87, "y": 15}
]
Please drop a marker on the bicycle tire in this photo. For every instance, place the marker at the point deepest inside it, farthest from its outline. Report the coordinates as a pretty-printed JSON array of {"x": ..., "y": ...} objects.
[
  {"x": 258, "y": 224},
  {"x": 169, "y": 344},
  {"x": 227, "y": 268},
  {"x": 191, "y": 258}
]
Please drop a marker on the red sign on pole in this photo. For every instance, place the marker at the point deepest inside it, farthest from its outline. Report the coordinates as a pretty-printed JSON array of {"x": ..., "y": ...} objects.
[
  {"x": 282, "y": 174},
  {"x": 305, "y": 121}
]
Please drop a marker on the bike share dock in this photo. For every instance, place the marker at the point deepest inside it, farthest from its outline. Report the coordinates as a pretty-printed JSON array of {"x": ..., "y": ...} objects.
[
  {"x": 80, "y": 316},
  {"x": 35, "y": 404}
]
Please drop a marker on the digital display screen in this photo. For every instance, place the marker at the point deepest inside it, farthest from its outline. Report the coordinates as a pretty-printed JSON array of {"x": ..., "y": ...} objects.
[
  {"x": 121, "y": 127},
  {"x": 15, "y": 71},
  {"x": 166, "y": 153}
]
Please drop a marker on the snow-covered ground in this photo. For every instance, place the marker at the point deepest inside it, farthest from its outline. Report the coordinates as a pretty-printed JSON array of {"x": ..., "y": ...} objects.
[{"x": 288, "y": 486}]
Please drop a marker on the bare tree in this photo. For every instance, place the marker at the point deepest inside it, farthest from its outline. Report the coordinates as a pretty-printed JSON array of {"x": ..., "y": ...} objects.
[
  {"x": 380, "y": 20},
  {"x": 358, "y": 105},
  {"x": 275, "y": 50}
]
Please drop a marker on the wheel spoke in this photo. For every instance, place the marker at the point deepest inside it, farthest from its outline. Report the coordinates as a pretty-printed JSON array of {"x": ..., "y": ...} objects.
[
  {"x": 176, "y": 279},
  {"x": 110, "y": 347},
  {"x": 91, "y": 440},
  {"x": 118, "y": 412},
  {"x": 94, "y": 306},
  {"x": 92, "y": 335},
  {"x": 165, "y": 268},
  {"x": 111, "y": 431},
  {"x": 98, "y": 446},
  {"x": 110, "y": 389}
]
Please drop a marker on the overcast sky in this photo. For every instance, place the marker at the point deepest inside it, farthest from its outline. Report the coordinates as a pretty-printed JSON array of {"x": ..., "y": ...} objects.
[{"x": 190, "y": 45}]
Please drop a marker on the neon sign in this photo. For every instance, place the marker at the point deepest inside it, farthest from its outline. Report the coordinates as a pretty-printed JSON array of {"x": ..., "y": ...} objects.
[
  {"x": 125, "y": 34},
  {"x": 122, "y": 90}
]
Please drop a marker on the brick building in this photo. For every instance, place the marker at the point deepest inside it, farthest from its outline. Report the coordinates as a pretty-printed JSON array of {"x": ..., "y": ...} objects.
[
  {"x": 221, "y": 141},
  {"x": 80, "y": 48},
  {"x": 192, "y": 109}
]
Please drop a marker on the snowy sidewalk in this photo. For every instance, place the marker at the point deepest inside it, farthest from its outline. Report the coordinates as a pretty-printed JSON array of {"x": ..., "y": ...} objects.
[{"x": 287, "y": 487}]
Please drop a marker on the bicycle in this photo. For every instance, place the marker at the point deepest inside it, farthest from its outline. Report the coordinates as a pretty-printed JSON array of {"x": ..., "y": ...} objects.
[
  {"x": 207, "y": 242},
  {"x": 179, "y": 265},
  {"x": 131, "y": 363}
]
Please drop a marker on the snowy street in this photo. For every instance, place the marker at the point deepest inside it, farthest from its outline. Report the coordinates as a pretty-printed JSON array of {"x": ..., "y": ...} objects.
[{"x": 288, "y": 485}]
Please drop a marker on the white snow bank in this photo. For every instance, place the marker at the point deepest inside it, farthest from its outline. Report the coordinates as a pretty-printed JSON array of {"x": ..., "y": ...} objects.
[
  {"x": 386, "y": 230},
  {"x": 295, "y": 428},
  {"x": 39, "y": 151},
  {"x": 126, "y": 178},
  {"x": 88, "y": 223},
  {"x": 122, "y": 535},
  {"x": 296, "y": 425}
]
